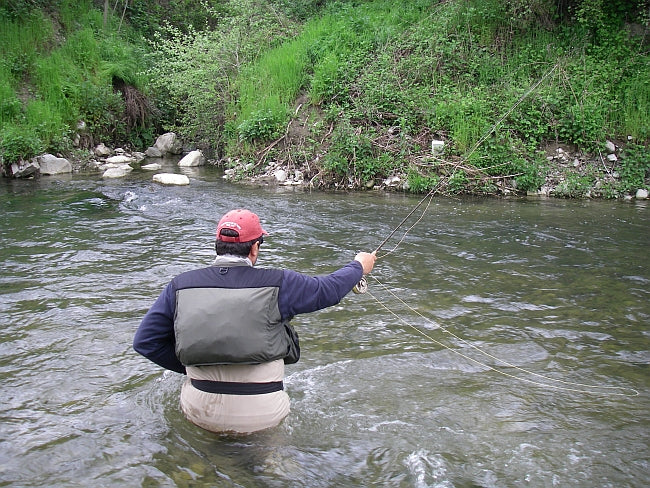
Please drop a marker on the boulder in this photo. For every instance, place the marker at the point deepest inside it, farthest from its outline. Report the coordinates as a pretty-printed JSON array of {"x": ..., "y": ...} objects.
[
  {"x": 117, "y": 171},
  {"x": 24, "y": 169},
  {"x": 168, "y": 143},
  {"x": 171, "y": 179},
  {"x": 120, "y": 159},
  {"x": 193, "y": 158},
  {"x": 51, "y": 165},
  {"x": 153, "y": 152},
  {"x": 102, "y": 151},
  {"x": 642, "y": 194}
]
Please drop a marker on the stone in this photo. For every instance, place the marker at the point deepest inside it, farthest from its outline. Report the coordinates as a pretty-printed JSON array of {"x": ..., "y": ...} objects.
[
  {"x": 117, "y": 172},
  {"x": 171, "y": 179},
  {"x": 169, "y": 143},
  {"x": 153, "y": 152},
  {"x": 120, "y": 159},
  {"x": 101, "y": 151},
  {"x": 612, "y": 158},
  {"x": 280, "y": 176},
  {"x": 393, "y": 181},
  {"x": 193, "y": 158},
  {"x": 24, "y": 169},
  {"x": 610, "y": 146},
  {"x": 151, "y": 167},
  {"x": 642, "y": 194},
  {"x": 52, "y": 165}
]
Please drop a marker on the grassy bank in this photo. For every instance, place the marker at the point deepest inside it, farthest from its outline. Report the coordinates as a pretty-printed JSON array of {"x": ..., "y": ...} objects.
[
  {"x": 383, "y": 79},
  {"x": 350, "y": 93},
  {"x": 63, "y": 79}
]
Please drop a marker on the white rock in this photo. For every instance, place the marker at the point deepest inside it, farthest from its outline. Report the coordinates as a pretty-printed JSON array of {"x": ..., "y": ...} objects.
[
  {"x": 120, "y": 159},
  {"x": 392, "y": 181},
  {"x": 51, "y": 165},
  {"x": 193, "y": 158},
  {"x": 102, "y": 151},
  {"x": 611, "y": 148},
  {"x": 169, "y": 143},
  {"x": 117, "y": 172},
  {"x": 642, "y": 194},
  {"x": 280, "y": 176},
  {"x": 612, "y": 158},
  {"x": 24, "y": 169},
  {"x": 151, "y": 167},
  {"x": 171, "y": 179}
]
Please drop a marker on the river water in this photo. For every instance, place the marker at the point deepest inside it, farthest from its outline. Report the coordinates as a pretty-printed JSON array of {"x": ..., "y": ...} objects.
[{"x": 501, "y": 344}]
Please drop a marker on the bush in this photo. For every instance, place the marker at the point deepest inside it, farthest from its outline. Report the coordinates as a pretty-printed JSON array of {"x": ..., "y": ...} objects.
[
  {"x": 262, "y": 125},
  {"x": 634, "y": 167},
  {"x": 19, "y": 144}
]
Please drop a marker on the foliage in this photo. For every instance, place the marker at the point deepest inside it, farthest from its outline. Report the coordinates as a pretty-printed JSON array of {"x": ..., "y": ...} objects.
[
  {"x": 370, "y": 83},
  {"x": 634, "y": 168},
  {"x": 192, "y": 72},
  {"x": 18, "y": 144},
  {"x": 59, "y": 70}
]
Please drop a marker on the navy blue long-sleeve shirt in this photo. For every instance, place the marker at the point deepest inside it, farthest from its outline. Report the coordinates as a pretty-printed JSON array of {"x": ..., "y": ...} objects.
[{"x": 298, "y": 293}]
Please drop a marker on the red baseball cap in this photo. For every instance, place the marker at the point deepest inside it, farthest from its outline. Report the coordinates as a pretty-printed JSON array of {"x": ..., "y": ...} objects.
[{"x": 242, "y": 221}]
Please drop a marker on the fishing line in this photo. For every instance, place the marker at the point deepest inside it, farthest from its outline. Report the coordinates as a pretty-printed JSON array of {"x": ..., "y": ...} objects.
[
  {"x": 565, "y": 385},
  {"x": 362, "y": 286},
  {"x": 478, "y": 143}
]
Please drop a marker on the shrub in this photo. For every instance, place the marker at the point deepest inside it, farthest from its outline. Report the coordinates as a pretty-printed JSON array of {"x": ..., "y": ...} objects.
[
  {"x": 634, "y": 167},
  {"x": 19, "y": 144},
  {"x": 262, "y": 125}
]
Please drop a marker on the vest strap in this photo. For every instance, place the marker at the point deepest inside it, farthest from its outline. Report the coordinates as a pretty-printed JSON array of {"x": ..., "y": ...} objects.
[{"x": 234, "y": 388}]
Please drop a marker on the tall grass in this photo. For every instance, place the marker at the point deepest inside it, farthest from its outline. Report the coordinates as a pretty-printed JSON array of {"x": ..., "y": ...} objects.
[
  {"x": 326, "y": 56},
  {"x": 52, "y": 76}
]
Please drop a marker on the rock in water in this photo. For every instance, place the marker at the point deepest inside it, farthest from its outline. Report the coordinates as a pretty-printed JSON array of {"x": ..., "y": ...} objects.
[{"x": 171, "y": 179}]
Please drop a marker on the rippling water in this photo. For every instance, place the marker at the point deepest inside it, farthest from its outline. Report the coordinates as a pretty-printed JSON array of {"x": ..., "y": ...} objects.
[{"x": 500, "y": 343}]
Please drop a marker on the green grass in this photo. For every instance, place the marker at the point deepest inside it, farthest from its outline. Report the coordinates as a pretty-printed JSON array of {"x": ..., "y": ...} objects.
[{"x": 55, "y": 73}]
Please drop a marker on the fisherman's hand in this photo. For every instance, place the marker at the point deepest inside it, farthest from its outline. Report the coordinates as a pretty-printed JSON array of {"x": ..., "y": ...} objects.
[{"x": 367, "y": 261}]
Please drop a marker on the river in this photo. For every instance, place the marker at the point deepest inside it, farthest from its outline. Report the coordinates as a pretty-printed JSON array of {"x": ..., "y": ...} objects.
[{"x": 502, "y": 343}]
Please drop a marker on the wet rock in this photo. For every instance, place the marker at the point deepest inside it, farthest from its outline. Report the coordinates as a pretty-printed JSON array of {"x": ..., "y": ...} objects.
[
  {"x": 24, "y": 169},
  {"x": 169, "y": 143},
  {"x": 641, "y": 194},
  {"x": 52, "y": 165},
  {"x": 153, "y": 152},
  {"x": 171, "y": 179},
  {"x": 117, "y": 171},
  {"x": 151, "y": 167},
  {"x": 120, "y": 159},
  {"x": 193, "y": 158}
]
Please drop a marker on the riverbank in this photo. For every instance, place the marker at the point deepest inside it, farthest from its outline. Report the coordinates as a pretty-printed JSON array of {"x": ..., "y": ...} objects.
[{"x": 567, "y": 172}]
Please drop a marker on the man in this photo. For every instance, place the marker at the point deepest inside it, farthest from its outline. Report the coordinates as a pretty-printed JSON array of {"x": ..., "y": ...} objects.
[{"x": 227, "y": 328}]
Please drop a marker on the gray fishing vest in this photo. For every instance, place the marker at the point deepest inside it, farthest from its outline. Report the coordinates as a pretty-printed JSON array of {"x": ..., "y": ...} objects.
[{"x": 232, "y": 326}]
